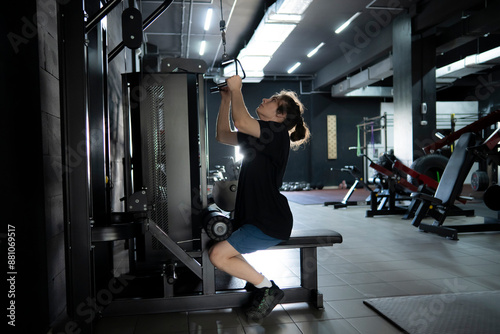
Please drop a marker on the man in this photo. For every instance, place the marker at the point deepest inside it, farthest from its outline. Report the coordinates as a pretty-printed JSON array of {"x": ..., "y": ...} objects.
[{"x": 262, "y": 213}]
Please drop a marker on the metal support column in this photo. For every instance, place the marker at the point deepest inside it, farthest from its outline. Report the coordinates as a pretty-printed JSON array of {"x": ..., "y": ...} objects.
[
  {"x": 99, "y": 144},
  {"x": 401, "y": 35},
  {"x": 74, "y": 120},
  {"x": 424, "y": 92}
]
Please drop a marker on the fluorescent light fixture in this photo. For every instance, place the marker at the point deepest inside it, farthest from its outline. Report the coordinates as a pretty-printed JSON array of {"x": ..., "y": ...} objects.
[
  {"x": 313, "y": 52},
  {"x": 202, "y": 47},
  {"x": 290, "y": 18},
  {"x": 278, "y": 22},
  {"x": 208, "y": 19},
  {"x": 266, "y": 39},
  {"x": 251, "y": 64},
  {"x": 346, "y": 23},
  {"x": 293, "y": 68},
  {"x": 288, "y": 11},
  {"x": 292, "y": 6}
]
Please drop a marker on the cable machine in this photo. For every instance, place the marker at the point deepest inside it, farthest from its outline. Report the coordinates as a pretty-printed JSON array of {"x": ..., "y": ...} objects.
[{"x": 152, "y": 256}]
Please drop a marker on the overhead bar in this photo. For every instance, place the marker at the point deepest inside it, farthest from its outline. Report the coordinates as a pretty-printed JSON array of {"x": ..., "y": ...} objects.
[{"x": 92, "y": 22}]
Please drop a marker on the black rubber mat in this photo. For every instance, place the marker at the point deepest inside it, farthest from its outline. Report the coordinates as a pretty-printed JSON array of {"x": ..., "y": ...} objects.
[{"x": 467, "y": 313}]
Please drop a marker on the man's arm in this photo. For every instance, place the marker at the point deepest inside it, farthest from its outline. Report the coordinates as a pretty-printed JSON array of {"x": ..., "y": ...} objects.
[
  {"x": 223, "y": 133},
  {"x": 241, "y": 118}
]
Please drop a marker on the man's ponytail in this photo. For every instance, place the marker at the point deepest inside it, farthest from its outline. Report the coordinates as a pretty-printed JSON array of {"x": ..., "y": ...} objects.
[
  {"x": 300, "y": 134},
  {"x": 290, "y": 104}
]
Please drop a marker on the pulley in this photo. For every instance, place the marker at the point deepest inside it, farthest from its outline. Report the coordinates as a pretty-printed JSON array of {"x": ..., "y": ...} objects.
[
  {"x": 132, "y": 28},
  {"x": 217, "y": 225},
  {"x": 226, "y": 60}
]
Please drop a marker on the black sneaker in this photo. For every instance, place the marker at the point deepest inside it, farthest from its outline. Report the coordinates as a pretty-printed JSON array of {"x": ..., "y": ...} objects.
[
  {"x": 250, "y": 287},
  {"x": 263, "y": 302}
]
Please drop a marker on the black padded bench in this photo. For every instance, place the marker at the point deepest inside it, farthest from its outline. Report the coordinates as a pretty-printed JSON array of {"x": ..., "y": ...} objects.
[{"x": 306, "y": 240}]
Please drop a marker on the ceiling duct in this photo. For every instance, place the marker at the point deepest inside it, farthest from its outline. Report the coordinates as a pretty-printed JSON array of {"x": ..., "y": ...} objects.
[
  {"x": 372, "y": 91},
  {"x": 364, "y": 78},
  {"x": 342, "y": 88},
  {"x": 469, "y": 65}
]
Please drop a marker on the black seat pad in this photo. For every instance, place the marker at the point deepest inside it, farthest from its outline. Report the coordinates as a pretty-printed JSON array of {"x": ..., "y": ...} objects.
[
  {"x": 312, "y": 238},
  {"x": 456, "y": 170}
]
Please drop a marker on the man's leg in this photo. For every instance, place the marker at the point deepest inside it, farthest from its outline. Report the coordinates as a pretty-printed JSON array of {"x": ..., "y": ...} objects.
[
  {"x": 229, "y": 260},
  {"x": 267, "y": 295}
]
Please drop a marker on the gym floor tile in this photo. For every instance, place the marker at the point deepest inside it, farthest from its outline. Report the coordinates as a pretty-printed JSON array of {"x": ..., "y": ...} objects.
[
  {"x": 200, "y": 321},
  {"x": 381, "y": 256},
  {"x": 490, "y": 282},
  {"x": 343, "y": 268},
  {"x": 303, "y": 312},
  {"x": 288, "y": 328},
  {"x": 383, "y": 289},
  {"x": 420, "y": 287},
  {"x": 353, "y": 308},
  {"x": 328, "y": 327},
  {"x": 359, "y": 278},
  {"x": 340, "y": 292},
  {"x": 116, "y": 325},
  {"x": 369, "y": 325},
  {"x": 394, "y": 275},
  {"x": 329, "y": 280},
  {"x": 458, "y": 285},
  {"x": 277, "y": 317},
  {"x": 431, "y": 273},
  {"x": 168, "y": 323}
]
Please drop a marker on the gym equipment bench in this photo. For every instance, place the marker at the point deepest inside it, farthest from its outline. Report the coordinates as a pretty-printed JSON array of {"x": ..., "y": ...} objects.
[
  {"x": 457, "y": 169},
  {"x": 168, "y": 225},
  {"x": 306, "y": 240}
]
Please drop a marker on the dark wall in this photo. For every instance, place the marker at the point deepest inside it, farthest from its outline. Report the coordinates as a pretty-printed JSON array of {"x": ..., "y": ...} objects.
[
  {"x": 310, "y": 163},
  {"x": 23, "y": 235},
  {"x": 349, "y": 112},
  {"x": 52, "y": 157}
]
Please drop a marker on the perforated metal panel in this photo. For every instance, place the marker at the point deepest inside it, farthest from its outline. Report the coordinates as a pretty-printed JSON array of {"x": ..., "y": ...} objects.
[
  {"x": 168, "y": 110},
  {"x": 155, "y": 143}
]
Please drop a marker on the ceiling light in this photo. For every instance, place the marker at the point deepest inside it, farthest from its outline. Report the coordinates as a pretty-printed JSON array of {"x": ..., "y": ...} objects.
[
  {"x": 291, "y": 18},
  {"x": 292, "y": 6},
  {"x": 267, "y": 38},
  {"x": 293, "y": 68},
  {"x": 346, "y": 23},
  {"x": 313, "y": 52},
  {"x": 252, "y": 65},
  {"x": 208, "y": 19},
  {"x": 248, "y": 63},
  {"x": 202, "y": 47},
  {"x": 278, "y": 22}
]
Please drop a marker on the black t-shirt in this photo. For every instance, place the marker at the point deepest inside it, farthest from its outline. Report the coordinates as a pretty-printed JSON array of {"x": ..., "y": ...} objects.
[{"x": 258, "y": 199}]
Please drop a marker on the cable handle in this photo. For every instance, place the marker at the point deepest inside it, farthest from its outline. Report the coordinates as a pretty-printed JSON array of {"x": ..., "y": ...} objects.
[{"x": 221, "y": 85}]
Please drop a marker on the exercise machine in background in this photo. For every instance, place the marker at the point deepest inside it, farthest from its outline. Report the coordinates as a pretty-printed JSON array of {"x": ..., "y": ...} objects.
[{"x": 469, "y": 148}]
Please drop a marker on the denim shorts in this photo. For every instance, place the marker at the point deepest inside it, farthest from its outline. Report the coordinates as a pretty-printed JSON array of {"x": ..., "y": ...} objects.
[{"x": 249, "y": 238}]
